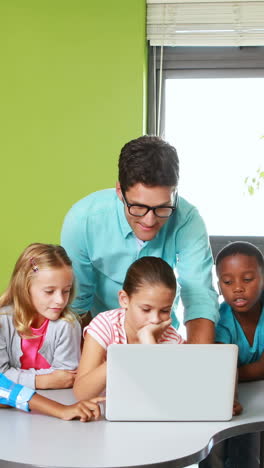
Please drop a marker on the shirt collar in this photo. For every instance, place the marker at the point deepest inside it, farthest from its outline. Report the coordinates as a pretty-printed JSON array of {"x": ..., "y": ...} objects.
[{"x": 124, "y": 225}]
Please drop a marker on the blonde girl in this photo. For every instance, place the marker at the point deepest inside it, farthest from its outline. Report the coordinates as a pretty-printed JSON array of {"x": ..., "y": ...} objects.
[
  {"x": 39, "y": 335},
  {"x": 144, "y": 317}
]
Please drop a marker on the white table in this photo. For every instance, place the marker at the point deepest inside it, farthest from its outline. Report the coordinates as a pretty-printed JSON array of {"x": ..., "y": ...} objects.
[{"x": 28, "y": 440}]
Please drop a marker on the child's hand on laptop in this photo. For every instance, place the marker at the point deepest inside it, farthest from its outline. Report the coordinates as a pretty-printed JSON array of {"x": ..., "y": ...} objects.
[
  {"x": 150, "y": 333},
  {"x": 237, "y": 407}
]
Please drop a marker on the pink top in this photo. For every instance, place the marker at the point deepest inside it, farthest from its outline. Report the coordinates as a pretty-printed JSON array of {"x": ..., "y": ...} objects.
[
  {"x": 109, "y": 327},
  {"x": 31, "y": 358}
]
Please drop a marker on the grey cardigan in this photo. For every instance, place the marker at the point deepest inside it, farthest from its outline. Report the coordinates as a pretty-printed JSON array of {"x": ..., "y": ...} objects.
[{"x": 61, "y": 348}]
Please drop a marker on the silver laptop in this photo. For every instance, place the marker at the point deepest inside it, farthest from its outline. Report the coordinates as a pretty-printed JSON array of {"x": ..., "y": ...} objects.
[{"x": 163, "y": 382}]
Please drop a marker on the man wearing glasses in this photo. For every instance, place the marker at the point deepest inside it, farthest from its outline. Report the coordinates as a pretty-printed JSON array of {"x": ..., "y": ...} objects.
[{"x": 108, "y": 230}]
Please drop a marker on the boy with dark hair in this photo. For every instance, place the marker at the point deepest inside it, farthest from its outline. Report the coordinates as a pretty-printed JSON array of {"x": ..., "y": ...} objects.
[
  {"x": 108, "y": 230},
  {"x": 240, "y": 271}
]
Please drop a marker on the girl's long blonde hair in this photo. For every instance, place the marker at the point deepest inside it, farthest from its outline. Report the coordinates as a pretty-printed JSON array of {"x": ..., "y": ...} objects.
[{"x": 35, "y": 257}]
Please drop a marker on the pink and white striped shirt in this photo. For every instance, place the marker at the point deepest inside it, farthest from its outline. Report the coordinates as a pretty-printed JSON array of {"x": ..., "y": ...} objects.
[{"x": 109, "y": 327}]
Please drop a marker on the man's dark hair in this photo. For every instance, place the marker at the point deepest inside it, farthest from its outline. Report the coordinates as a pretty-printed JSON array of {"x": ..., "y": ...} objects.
[
  {"x": 148, "y": 160},
  {"x": 239, "y": 247}
]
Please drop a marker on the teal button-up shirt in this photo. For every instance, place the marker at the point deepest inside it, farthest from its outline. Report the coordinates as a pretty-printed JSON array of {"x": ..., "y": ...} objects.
[{"x": 102, "y": 245}]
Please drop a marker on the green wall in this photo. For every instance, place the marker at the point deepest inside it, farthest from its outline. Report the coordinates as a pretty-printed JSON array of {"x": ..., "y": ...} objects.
[{"x": 73, "y": 77}]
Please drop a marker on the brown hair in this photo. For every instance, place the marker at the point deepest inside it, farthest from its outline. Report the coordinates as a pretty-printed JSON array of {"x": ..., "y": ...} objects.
[
  {"x": 35, "y": 257},
  {"x": 150, "y": 270},
  {"x": 150, "y": 161}
]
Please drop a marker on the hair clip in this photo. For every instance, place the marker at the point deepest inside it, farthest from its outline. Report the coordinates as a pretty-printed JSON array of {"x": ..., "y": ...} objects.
[{"x": 34, "y": 265}]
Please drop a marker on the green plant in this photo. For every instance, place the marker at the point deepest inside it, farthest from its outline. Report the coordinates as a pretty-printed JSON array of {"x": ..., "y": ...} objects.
[{"x": 254, "y": 183}]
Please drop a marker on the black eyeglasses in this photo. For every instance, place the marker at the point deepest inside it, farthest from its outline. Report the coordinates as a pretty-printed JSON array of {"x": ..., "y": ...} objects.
[{"x": 142, "y": 210}]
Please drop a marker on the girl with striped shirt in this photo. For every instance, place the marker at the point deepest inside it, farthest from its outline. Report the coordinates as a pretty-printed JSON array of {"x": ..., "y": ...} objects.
[{"x": 144, "y": 317}]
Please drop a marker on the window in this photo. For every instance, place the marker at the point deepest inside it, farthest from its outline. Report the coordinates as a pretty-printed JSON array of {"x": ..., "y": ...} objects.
[{"x": 212, "y": 112}]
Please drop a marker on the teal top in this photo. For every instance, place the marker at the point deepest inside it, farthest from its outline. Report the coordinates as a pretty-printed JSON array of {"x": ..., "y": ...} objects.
[
  {"x": 102, "y": 245},
  {"x": 229, "y": 330}
]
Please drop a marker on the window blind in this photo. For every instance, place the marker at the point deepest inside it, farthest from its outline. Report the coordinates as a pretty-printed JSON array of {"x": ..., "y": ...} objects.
[{"x": 205, "y": 23}]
